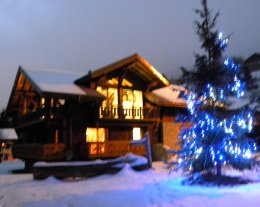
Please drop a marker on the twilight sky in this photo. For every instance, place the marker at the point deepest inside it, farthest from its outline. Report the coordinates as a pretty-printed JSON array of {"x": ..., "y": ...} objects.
[{"x": 84, "y": 35}]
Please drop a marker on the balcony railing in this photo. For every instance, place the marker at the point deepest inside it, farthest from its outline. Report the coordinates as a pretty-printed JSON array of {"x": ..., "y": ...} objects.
[
  {"x": 128, "y": 113},
  {"x": 93, "y": 150},
  {"x": 47, "y": 152},
  {"x": 40, "y": 114},
  {"x": 110, "y": 149}
]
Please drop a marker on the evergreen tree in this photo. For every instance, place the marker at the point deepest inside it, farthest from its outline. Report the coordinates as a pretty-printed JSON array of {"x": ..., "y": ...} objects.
[
  {"x": 208, "y": 66},
  {"x": 215, "y": 136}
]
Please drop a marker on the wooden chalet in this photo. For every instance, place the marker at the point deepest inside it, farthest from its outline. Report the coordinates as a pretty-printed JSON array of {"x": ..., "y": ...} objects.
[
  {"x": 7, "y": 137},
  {"x": 62, "y": 115}
]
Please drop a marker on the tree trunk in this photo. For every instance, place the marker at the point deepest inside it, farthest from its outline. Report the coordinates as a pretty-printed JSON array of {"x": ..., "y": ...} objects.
[{"x": 219, "y": 167}]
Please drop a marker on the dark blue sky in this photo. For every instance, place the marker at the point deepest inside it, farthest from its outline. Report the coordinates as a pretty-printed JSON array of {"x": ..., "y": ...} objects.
[{"x": 84, "y": 35}]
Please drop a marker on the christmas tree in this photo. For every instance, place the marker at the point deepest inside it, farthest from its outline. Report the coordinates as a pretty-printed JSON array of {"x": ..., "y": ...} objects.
[{"x": 215, "y": 136}]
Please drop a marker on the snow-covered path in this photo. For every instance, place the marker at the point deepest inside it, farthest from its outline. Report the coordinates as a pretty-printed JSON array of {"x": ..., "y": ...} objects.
[{"x": 127, "y": 188}]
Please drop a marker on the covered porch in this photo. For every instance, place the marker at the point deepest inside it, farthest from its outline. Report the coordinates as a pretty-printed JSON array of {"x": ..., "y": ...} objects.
[{"x": 85, "y": 151}]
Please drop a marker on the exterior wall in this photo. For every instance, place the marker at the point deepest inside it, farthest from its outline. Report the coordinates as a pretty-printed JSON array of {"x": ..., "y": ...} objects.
[
  {"x": 78, "y": 132},
  {"x": 171, "y": 132},
  {"x": 171, "y": 128},
  {"x": 120, "y": 134}
]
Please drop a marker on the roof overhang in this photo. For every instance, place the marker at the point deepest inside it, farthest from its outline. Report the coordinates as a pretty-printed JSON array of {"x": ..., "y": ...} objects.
[
  {"x": 169, "y": 96},
  {"x": 54, "y": 84},
  {"x": 134, "y": 63}
]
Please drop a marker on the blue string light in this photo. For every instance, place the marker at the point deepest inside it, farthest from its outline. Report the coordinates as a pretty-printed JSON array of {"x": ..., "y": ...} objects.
[{"x": 220, "y": 139}]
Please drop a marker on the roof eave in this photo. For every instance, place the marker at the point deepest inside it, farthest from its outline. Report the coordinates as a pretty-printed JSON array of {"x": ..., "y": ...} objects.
[
  {"x": 50, "y": 94},
  {"x": 21, "y": 70},
  {"x": 118, "y": 64}
]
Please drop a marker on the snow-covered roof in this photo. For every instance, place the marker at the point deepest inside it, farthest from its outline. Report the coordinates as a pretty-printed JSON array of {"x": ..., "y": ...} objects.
[
  {"x": 8, "y": 134},
  {"x": 171, "y": 95},
  {"x": 237, "y": 103},
  {"x": 57, "y": 81},
  {"x": 256, "y": 74}
]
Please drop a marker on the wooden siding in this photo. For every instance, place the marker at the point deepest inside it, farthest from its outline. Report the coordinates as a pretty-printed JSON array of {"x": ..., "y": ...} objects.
[
  {"x": 47, "y": 152},
  {"x": 93, "y": 150}
]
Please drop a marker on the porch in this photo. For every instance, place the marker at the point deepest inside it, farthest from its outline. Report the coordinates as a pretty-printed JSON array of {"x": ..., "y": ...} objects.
[{"x": 87, "y": 151}]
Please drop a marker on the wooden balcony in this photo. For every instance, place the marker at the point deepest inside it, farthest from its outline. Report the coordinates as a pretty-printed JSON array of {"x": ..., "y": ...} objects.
[
  {"x": 93, "y": 150},
  {"x": 110, "y": 149},
  {"x": 39, "y": 115},
  {"x": 47, "y": 152},
  {"x": 141, "y": 113}
]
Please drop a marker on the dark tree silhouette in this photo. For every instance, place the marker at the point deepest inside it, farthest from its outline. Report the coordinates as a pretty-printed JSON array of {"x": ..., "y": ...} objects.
[{"x": 3, "y": 119}]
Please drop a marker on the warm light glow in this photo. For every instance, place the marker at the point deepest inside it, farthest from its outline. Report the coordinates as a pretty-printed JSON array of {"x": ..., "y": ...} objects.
[
  {"x": 159, "y": 75},
  {"x": 138, "y": 98},
  {"x": 52, "y": 102},
  {"x": 95, "y": 134},
  {"x": 62, "y": 101},
  {"x": 42, "y": 102},
  {"x": 136, "y": 133},
  {"x": 132, "y": 101},
  {"x": 56, "y": 136},
  {"x": 110, "y": 103},
  {"x": 111, "y": 94},
  {"x": 97, "y": 148},
  {"x": 114, "y": 81}
]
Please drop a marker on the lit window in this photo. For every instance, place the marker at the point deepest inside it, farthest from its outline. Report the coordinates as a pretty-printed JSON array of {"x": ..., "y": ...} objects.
[
  {"x": 138, "y": 99},
  {"x": 136, "y": 133},
  {"x": 132, "y": 103},
  {"x": 109, "y": 105},
  {"x": 42, "y": 102},
  {"x": 111, "y": 96},
  {"x": 114, "y": 81},
  {"x": 95, "y": 134},
  {"x": 97, "y": 149},
  {"x": 61, "y": 101}
]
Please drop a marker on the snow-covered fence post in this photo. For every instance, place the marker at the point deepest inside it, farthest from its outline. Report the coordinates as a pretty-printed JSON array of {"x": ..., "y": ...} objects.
[{"x": 146, "y": 142}]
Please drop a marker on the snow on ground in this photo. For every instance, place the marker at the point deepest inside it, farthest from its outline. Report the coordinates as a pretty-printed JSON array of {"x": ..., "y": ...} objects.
[{"x": 153, "y": 188}]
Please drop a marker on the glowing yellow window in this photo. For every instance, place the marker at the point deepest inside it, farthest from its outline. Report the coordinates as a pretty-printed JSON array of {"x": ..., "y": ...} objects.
[
  {"x": 42, "y": 102},
  {"x": 136, "y": 133},
  {"x": 138, "y": 99},
  {"x": 97, "y": 148},
  {"x": 132, "y": 103},
  {"x": 96, "y": 136},
  {"x": 109, "y": 106}
]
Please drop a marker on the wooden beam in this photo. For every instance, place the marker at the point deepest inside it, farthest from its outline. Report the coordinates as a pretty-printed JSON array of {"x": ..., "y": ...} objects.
[{"x": 27, "y": 93}]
